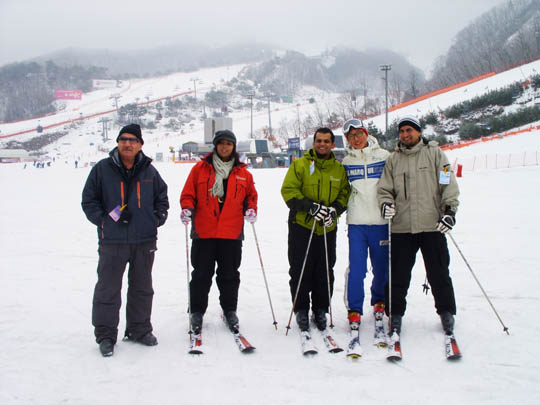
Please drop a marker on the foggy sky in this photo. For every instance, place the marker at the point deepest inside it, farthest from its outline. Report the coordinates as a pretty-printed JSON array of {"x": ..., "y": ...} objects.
[{"x": 421, "y": 30}]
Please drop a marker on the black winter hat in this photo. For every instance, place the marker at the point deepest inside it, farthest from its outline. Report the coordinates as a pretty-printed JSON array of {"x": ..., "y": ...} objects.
[
  {"x": 224, "y": 134},
  {"x": 410, "y": 120},
  {"x": 133, "y": 129}
]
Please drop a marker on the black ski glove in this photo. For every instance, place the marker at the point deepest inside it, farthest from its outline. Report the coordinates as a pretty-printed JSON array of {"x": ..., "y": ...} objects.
[
  {"x": 318, "y": 211},
  {"x": 447, "y": 221},
  {"x": 125, "y": 216}
]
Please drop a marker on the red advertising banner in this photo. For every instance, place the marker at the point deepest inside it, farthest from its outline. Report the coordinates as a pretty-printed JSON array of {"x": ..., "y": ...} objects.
[{"x": 68, "y": 94}]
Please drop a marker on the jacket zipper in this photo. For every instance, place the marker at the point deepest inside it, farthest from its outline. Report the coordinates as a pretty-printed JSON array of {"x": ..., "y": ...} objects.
[{"x": 405, "y": 184}]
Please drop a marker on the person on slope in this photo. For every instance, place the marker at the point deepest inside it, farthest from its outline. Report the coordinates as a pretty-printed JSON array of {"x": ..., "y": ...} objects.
[
  {"x": 126, "y": 198},
  {"x": 218, "y": 195},
  {"x": 316, "y": 190},
  {"x": 367, "y": 230},
  {"x": 419, "y": 193}
]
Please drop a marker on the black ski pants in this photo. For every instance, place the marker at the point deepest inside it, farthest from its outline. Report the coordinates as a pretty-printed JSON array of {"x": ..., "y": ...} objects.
[
  {"x": 205, "y": 253},
  {"x": 436, "y": 259},
  {"x": 315, "y": 278},
  {"x": 107, "y": 293}
]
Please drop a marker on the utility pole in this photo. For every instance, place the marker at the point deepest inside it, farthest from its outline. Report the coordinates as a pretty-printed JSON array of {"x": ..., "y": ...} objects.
[
  {"x": 269, "y": 117},
  {"x": 250, "y": 96},
  {"x": 195, "y": 86},
  {"x": 105, "y": 134},
  {"x": 298, "y": 117},
  {"x": 116, "y": 97},
  {"x": 385, "y": 69}
]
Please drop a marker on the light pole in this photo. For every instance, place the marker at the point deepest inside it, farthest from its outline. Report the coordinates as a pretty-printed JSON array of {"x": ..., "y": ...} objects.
[
  {"x": 385, "y": 69},
  {"x": 250, "y": 96},
  {"x": 269, "y": 118},
  {"x": 194, "y": 86}
]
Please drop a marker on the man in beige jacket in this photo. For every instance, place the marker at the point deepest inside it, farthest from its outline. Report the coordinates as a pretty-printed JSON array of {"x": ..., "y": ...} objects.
[{"x": 419, "y": 193}]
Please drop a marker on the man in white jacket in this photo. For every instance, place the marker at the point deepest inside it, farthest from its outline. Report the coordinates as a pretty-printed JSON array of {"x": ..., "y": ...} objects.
[{"x": 367, "y": 230}]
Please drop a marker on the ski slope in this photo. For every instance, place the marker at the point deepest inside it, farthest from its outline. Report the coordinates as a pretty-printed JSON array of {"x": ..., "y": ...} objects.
[
  {"x": 85, "y": 143},
  {"x": 48, "y": 271}
]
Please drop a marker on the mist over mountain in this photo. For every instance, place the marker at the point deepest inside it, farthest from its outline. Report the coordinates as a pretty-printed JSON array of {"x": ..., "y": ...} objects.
[{"x": 158, "y": 61}]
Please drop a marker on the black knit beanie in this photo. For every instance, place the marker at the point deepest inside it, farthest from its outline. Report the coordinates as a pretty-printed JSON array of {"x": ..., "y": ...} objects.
[
  {"x": 224, "y": 134},
  {"x": 133, "y": 129}
]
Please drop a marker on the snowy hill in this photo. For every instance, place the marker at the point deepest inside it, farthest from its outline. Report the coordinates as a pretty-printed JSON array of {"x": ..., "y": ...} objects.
[{"x": 84, "y": 141}]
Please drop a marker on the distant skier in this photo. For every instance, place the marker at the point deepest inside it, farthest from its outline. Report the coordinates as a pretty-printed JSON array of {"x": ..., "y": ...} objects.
[
  {"x": 367, "y": 231},
  {"x": 315, "y": 188},
  {"x": 419, "y": 192},
  {"x": 217, "y": 196},
  {"x": 126, "y": 198}
]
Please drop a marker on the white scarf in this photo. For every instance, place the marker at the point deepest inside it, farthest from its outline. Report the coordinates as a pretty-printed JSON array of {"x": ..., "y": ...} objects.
[{"x": 223, "y": 169}]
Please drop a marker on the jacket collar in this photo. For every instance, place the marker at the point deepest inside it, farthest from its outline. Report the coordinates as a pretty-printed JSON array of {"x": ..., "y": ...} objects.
[
  {"x": 140, "y": 160},
  {"x": 312, "y": 155}
]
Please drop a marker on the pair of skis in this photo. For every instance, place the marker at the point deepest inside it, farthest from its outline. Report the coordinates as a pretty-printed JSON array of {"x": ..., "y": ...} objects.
[
  {"x": 309, "y": 348},
  {"x": 196, "y": 342},
  {"x": 354, "y": 349},
  {"x": 452, "y": 351}
]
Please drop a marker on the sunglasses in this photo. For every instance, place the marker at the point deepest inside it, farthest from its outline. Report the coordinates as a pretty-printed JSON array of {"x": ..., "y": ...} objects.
[
  {"x": 126, "y": 139},
  {"x": 354, "y": 123}
]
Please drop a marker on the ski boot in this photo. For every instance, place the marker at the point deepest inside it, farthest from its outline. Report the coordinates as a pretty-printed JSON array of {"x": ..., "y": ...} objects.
[
  {"x": 378, "y": 311},
  {"x": 379, "y": 335},
  {"x": 302, "y": 319},
  {"x": 447, "y": 321},
  {"x": 148, "y": 339},
  {"x": 196, "y": 322},
  {"x": 106, "y": 347},
  {"x": 232, "y": 320},
  {"x": 319, "y": 318},
  {"x": 354, "y": 319},
  {"x": 395, "y": 324}
]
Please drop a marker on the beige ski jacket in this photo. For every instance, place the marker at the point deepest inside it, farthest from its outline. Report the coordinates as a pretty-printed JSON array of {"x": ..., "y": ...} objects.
[{"x": 420, "y": 183}]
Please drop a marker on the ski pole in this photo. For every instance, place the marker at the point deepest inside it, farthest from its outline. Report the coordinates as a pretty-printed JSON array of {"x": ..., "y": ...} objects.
[
  {"x": 505, "y": 329},
  {"x": 188, "y": 290},
  {"x": 300, "y": 279},
  {"x": 390, "y": 272},
  {"x": 264, "y": 274},
  {"x": 328, "y": 278}
]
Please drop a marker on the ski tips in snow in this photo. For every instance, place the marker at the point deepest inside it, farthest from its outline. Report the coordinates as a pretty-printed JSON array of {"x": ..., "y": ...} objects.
[
  {"x": 308, "y": 347},
  {"x": 330, "y": 342},
  {"x": 195, "y": 343},
  {"x": 243, "y": 345},
  {"x": 394, "y": 348},
  {"x": 452, "y": 348}
]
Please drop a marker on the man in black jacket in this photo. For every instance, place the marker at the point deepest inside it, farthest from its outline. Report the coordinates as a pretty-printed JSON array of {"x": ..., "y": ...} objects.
[{"x": 126, "y": 198}]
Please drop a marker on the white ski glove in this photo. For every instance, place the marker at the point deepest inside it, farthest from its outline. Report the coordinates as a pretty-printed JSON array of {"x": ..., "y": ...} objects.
[
  {"x": 185, "y": 216},
  {"x": 250, "y": 216},
  {"x": 387, "y": 210}
]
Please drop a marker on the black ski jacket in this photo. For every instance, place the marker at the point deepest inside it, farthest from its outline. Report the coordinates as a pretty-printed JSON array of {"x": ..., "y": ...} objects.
[{"x": 109, "y": 185}]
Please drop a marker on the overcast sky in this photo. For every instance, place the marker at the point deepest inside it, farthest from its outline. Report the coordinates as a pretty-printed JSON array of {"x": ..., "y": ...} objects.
[{"x": 421, "y": 30}]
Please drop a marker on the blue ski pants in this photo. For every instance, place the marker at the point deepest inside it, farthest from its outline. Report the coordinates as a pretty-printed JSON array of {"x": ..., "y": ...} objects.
[{"x": 366, "y": 240}]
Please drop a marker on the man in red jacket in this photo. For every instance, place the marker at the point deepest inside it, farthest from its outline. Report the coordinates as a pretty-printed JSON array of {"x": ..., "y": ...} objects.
[{"x": 218, "y": 195}]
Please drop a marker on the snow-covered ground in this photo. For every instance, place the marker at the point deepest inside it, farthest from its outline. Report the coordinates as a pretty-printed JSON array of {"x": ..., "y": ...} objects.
[{"x": 48, "y": 271}]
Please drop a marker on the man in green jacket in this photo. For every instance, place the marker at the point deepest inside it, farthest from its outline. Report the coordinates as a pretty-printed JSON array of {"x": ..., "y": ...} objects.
[
  {"x": 419, "y": 193},
  {"x": 316, "y": 190}
]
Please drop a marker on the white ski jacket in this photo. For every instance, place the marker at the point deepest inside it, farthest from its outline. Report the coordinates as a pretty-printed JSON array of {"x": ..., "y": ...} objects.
[{"x": 364, "y": 168}]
